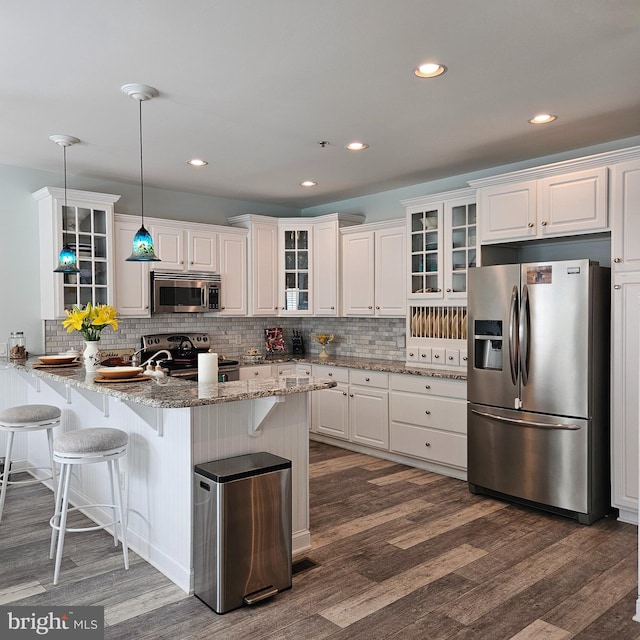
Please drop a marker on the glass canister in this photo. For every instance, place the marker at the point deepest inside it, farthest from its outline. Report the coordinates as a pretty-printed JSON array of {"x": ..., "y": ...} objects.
[{"x": 17, "y": 346}]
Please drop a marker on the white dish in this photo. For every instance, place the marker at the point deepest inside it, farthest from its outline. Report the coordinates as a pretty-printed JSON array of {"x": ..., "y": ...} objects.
[
  {"x": 59, "y": 359},
  {"x": 118, "y": 373}
]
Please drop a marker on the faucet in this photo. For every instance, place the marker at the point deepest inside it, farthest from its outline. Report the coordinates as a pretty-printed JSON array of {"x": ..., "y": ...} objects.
[
  {"x": 135, "y": 358},
  {"x": 155, "y": 355}
]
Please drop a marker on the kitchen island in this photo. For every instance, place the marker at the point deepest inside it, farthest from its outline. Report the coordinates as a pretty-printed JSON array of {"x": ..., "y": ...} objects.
[{"x": 172, "y": 425}]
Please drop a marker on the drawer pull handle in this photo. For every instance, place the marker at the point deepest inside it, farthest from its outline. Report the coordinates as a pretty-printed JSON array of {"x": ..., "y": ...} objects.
[
  {"x": 427, "y": 444},
  {"x": 428, "y": 412}
]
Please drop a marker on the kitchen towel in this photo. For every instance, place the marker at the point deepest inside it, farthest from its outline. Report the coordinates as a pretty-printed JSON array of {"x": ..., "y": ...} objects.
[{"x": 207, "y": 368}]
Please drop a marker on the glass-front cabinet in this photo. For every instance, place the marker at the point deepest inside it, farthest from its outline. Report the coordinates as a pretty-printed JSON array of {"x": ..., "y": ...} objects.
[
  {"x": 295, "y": 297},
  {"x": 86, "y": 225},
  {"x": 443, "y": 244}
]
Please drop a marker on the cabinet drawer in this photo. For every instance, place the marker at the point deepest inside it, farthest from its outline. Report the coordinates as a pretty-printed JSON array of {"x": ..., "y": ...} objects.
[
  {"x": 259, "y": 372},
  {"x": 429, "y": 386},
  {"x": 428, "y": 444},
  {"x": 339, "y": 374},
  {"x": 369, "y": 378},
  {"x": 426, "y": 411}
]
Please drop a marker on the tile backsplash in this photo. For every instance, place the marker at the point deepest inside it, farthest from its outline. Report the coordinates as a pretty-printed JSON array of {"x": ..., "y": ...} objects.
[{"x": 382, "y": 338}]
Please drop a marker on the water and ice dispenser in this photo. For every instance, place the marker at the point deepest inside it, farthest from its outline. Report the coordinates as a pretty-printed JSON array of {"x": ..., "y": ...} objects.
[{"x": 488, "y": 341}]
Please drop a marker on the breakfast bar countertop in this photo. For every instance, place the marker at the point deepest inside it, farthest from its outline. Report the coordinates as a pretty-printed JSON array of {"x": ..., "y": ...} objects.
[{"x": 173, "y": 393}]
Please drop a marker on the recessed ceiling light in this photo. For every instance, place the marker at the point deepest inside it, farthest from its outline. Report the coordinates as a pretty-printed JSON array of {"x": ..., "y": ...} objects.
[
  {"x": 308, "y": 183},
  {"x": 356, "y": 146},
  {"x": 543, "y": 118},
  {"x": 430, "y": 70},
  {"x": 197, "y": 163}
]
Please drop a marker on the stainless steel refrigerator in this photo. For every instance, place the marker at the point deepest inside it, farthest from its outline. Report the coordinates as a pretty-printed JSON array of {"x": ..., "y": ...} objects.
[{"x": 538, "y": 385}]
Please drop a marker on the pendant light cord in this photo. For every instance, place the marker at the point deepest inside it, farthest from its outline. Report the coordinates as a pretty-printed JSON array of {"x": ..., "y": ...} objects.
[{"x": 141, "y": 171}]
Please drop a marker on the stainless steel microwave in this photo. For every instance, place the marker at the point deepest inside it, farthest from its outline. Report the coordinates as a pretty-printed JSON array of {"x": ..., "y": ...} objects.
[{"x": 185, "y": 292}]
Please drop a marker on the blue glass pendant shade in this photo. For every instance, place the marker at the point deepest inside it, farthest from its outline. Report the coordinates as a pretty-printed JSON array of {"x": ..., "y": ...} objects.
[
  {"x": 67, "y": 261},
  {"x": 142, "y": 250}
]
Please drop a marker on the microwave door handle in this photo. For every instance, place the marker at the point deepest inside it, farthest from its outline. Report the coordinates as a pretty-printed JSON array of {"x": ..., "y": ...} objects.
[
  {"x": 513, "y": 335},
  {"x": 524, "y": 335},
  {"x": 202, "y": 298}
]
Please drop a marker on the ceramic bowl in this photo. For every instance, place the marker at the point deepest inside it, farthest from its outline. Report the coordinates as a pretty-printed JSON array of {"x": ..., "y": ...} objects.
[
  {"x": 59, "y": 359},
  {"x": 119, "y": 372}
]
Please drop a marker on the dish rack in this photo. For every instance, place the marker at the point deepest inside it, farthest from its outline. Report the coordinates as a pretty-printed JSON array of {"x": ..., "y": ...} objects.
[{"x": 437, "y": 337}]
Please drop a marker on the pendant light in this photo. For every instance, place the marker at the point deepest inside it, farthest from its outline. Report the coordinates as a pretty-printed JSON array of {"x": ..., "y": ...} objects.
[
  {"x": 142, "y": 250},
  {"x": 67, "y": 260}
]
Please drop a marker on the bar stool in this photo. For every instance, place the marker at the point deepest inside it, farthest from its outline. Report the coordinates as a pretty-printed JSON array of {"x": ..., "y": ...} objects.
[
  {"x": 88, "y": 446},
  {"x": 27, "y": 417}
]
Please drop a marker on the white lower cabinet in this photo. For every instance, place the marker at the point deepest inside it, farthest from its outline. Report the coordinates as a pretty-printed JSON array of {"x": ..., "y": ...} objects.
[
  {"x": 369, "y": 408},
  {"x": 428, "y": 419},
  {"x": 256, "y": 372},
  {"x": 330, "y": 407}
]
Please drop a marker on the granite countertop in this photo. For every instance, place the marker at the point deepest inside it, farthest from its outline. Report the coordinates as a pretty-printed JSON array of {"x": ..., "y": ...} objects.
[
  {"x": 369, "y": 364},
  {"x": 173, "y": 393}
]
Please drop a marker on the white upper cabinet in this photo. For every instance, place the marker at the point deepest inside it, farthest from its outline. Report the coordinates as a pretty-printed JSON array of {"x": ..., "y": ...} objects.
[
  {"x": 373, "y": 269},
  {"x": 233, "y": 272},
  {"x": 295, "y": 267},
  {"x": 131, "y": 278},
  {"x": 512, "y": 208},
  {"x": 625, "y": 204},
  {"x": 442, "y": 238},
  {"x": 188, "y": 247},
  {"x": 86, "y": 225}
]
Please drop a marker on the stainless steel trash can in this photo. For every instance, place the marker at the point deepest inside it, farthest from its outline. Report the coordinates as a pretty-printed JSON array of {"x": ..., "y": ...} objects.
[{"x": 242, "y": 530}]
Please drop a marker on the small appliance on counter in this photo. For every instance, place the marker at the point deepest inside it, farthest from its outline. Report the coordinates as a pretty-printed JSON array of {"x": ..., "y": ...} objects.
[{"x": 297, "y": 343}]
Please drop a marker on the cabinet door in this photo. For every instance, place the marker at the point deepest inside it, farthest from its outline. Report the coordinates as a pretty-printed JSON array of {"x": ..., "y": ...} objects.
[
  {"x": 369, "y": 416},
  {"x": 131, "y": 278},
  {"x": 169, "y": 245},
  {"x": 330, "y": 411},
  {"x": 202, "y": 250},
  {"x": 233, "y": 273},
  {"x": 296, "y": 297},
  {"x": 358, "y": 274},
  {"x": 426, "y": 237},
  {"x": 263, "y": 282},
  {"x": 325, "y": 272},
  {"x": 573, "y": 203},
  {"x": 390, "y": 275},
  {"x": 460, "y": 246},
  {"x": 507, "y": 212},
  {"x": 625, "y": 210},
  {"x": 624, "y": 385}
]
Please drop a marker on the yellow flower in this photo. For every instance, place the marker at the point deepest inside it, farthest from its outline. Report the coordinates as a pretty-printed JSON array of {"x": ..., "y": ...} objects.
[{"x": 91, "y": 320}]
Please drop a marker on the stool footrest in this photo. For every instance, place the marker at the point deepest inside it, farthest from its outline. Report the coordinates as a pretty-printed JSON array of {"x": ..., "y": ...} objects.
[
  {"x": 56, "y": 525},
  {"x": 31, "y": 480}
]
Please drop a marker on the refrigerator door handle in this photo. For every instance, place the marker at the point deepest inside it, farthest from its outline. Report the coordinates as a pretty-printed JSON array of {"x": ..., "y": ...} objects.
[
  {"x": 527, "y": 423},
  {"x": 524, "y": 335},
  {"x": 513, "y": 335}
]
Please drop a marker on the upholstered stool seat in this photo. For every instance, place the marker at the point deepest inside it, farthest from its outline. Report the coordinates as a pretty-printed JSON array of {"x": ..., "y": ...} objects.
[
  {"x": 20, "y": 419},
  {"x": 88, "y": 446}
]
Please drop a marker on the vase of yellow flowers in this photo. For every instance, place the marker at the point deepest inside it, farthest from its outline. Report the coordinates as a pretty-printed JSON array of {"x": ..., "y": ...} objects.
[
  {"x": 323, "y": 339},
  {"x": 90, "y": 322}
]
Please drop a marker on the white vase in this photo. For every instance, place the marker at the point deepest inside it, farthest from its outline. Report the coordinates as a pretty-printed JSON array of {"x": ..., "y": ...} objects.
[{"x": 91, "y": 355}]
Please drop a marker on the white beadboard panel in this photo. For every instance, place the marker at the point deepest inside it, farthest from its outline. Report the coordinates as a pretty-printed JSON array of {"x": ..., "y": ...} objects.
[{"x": 12, "y": 393}]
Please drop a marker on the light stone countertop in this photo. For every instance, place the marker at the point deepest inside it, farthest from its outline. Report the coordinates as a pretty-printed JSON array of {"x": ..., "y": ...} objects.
[
  {"x": 368, "y": 364},
  {"x": 172, "y": 393}
]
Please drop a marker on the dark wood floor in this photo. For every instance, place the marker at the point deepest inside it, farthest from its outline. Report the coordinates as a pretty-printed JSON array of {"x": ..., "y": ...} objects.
[{"x": 399, "y": 553}]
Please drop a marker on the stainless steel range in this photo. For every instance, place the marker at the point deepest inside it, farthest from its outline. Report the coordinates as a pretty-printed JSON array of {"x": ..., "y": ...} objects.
[{"x": 178, "y": 354}]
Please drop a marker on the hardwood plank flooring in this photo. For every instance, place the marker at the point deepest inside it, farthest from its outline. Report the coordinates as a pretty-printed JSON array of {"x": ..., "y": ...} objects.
[{"x": 399, "y": 553}]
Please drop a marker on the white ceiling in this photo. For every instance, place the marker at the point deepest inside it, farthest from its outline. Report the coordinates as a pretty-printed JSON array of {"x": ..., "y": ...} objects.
[{"x": 253, "y": 85}]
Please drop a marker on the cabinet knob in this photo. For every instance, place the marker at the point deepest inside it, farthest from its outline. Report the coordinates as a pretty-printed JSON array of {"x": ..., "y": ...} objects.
[
  {"x": 448, "y": 290},
  {"x": 370, "y": 307},
  {"x": 410, "y": 353},
  {"x": 332, "y": 308},
  {"x": 544, "y": 223},
  {"x": 464, "y": 358},
  {"x": 617, "y": 260},
  {"x": 377, "y": 307},
  {"x": 436, "y": 356},
  {"x": 617, "y": 286},
  {"x": 438, "y": 290},
  {"x": 530, "y": 225},
  {"x": 256, "y": 373},
  {"x": 344, "y": 393},
  {"x": 427, "y": 444},
  {"x": 351, "y": 395},
  {"x": 428, "y": 412},
  {"x": 330, "y": 374},
  {"x": 450, "y": 357},
  {"x": 181, "y": 262},
  {"x": 367, "y": 379},
  {"x": 423, "y": 355},
  {"x": 427, "y": 386}
]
